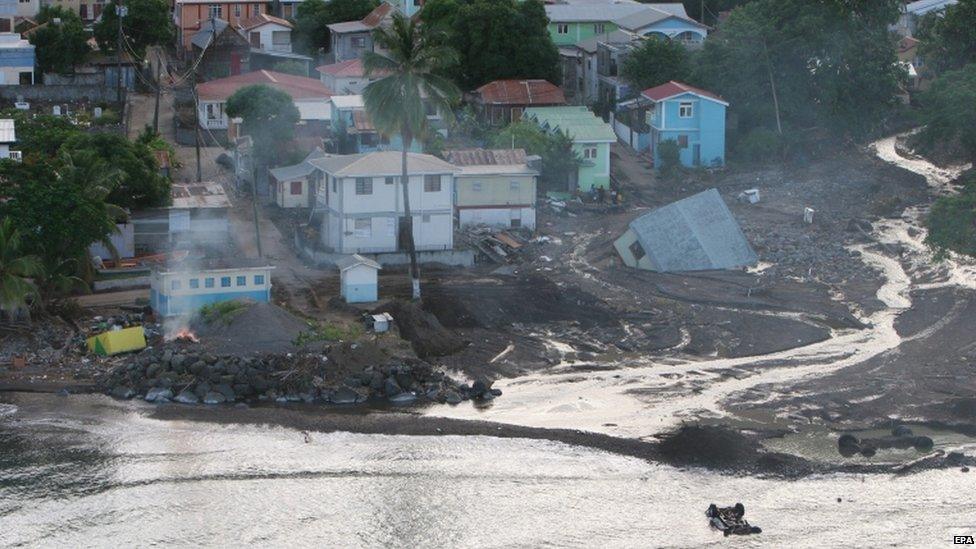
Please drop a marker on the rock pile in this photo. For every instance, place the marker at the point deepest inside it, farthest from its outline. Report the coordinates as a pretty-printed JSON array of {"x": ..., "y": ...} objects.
[{"x": 175, "y": 374}]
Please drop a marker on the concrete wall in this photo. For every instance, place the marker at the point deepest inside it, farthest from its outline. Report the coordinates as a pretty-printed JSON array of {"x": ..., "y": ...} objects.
[
  {"x": 265, "y": 34},
  {"x": 452, "y": 258},
  {"x": 497, "y": 217},
  {"x": 124, "y": 242},
  {"x": 168, "y": 299},
  {"x": 704, "y": 129},
  {"x": 577, "y": 32},
  {"x": 595, "y": 172},
  {"x": 54, "y": 94},
  {"x": 495, "y": 190},
  {"x": 359, "y": 284}
]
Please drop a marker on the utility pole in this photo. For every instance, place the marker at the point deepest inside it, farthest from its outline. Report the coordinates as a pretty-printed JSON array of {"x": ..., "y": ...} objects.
[
  {"x": 159, "y": 89},
  {"x": 199, "y": 171},
  {"x": 119, "y": 14},
  {"x": 701, "y": 7},
  {"x": 772, "y": 87}
]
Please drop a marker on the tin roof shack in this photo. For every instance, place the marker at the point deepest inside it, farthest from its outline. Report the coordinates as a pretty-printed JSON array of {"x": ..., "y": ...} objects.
[
  {"x": 198, "y": 216},
  {"x": 358, "y": 279},
  {"x": 494, "y": 187},
  {"x": 291, "y": 186},
  {"x": 220, "y": 50},
  {"x": 183, "y": 290},
  {"x": 697, "y": 233}
]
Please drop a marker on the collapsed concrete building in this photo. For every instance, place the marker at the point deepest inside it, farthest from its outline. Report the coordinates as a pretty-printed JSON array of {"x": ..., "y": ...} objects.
[{"x": 697, "y": 233}]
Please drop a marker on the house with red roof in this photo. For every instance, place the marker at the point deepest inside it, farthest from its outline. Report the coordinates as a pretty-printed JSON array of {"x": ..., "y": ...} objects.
[
  {"x": 311, "y": 97},
  {"x": 502, "y": 101},
  {"x": 345, "y": 77},
  {"x": 692, "y": 117}
]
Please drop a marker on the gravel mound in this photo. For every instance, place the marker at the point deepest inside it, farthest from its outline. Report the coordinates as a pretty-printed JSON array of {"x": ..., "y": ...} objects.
[{"x": 258, "y": 328}]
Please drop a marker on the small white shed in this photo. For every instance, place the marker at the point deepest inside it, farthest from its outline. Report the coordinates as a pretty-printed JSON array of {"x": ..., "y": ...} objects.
[{"x": 358, "y": 279}]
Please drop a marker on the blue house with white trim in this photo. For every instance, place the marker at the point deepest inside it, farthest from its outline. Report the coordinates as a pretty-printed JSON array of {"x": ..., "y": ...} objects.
[
  {"x": 692, "y": 117},
  {"x": 185, "y": 291}
]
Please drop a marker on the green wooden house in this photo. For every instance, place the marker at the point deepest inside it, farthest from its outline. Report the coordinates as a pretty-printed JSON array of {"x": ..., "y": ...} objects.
[{"x": 591, "y": 137}]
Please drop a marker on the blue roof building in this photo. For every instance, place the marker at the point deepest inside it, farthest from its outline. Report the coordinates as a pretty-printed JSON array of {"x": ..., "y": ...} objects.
[{"x": 17, "y": 60}]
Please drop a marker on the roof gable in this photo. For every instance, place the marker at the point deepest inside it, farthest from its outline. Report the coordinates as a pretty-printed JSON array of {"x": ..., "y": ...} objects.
[
  {"x": 381, "y": 163},
  {"x": 262, "y": 19},
  {"x": 696, "y": 233},
  {"x": 673, "y": 89},
  {"x": 298, "y": 87},
  {"x": 521, "y": 92}
]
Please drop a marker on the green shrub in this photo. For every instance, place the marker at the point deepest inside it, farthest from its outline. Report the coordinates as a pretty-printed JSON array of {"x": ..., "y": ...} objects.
[
  {"x": 952, "y": 224},
  {"x": 759, "y": 145},
  {"x": 222, "y": 311},
  {"x": 108, "y": 118},
  {"x": 669, "y": 153}
]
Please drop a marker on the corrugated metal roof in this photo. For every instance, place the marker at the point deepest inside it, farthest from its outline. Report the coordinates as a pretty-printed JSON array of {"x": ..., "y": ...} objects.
[
  {"x": 673, "y": 88},
  {"x": 696, "y": 233},
  {"x": 578, "y": 122},
  {"x": 381, "y": 163},
  {"x": 485, "y": 157},
  {"x": 521, "y": 92},
  {"x": 302, "y": 169},
  {"x": 350, "y": 261},
  {"x": 8, "y": 133},
  {"x": 298, "y": 87},
  {"x": 208, "y": 29},
  {"x": 199, "y": 195}
]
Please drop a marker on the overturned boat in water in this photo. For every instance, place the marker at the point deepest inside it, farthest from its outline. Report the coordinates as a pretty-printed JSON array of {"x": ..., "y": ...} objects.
[{"x": 729, "y": 520}]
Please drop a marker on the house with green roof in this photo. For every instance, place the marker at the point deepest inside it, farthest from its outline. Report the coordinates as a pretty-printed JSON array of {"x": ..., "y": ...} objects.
[{"x": 591, "y": 137}]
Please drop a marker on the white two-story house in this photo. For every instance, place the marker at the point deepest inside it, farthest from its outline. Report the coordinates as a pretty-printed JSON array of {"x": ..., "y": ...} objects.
[
  {"x": 361, "y": 200},
  {"x": 268, "y": 33}
]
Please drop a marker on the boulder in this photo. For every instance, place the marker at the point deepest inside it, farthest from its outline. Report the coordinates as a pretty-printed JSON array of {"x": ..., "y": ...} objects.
[
  {"x": 480, "y": 386},
  {"x": 213, "y": 397},
  {"x": 391, "y": 387},
  {"x": 187, "y": 397},
  {"x": 405, "y": 397},
  {"x": 159, "y": 394},
  {"x": 227, "y": 391},
  {"x": 376, "y": 381},
  {"x": 452, "y": 397},
  {"x": 345, "y": 395},
  {"x": 197, "y": 367},
  {"x": 201, "y": 389},
  {"x": 124, "y": 392},
  {"x": 902, "y": 431}
]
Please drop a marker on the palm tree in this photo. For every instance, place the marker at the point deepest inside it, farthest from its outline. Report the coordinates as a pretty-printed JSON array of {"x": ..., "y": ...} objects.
[
  {"x": 17, "y": 271},
  {"x": 411, "y": 64}
]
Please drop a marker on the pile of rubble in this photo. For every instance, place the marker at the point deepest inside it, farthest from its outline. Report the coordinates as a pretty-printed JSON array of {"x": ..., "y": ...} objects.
[
  {"x": 175, "y": 374},
  {"x": 495, "y": 245}
]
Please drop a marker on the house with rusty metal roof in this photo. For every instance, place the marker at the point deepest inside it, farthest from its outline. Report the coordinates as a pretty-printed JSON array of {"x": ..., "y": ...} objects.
[
  {"x": 494, "y": 187},
  {"x": 501, "y": 102},
  {"x": 697, "y": 233}
]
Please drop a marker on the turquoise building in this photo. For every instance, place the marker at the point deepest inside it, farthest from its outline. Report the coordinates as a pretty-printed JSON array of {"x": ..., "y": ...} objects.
[
  {"x": 591, "y": 137},
  {"x": 185, "y": 291},
  {"x": 692, "y": 117},
  {"x": 570, "y": 24}
]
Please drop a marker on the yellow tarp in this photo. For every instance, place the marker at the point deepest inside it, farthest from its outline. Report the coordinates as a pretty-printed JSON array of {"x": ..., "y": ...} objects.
[{"x": 119, "y": 341}]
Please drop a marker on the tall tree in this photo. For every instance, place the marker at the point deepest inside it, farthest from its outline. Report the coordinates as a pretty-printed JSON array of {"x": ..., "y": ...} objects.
[
  {"x": 17, "y": 271},
  {"x": 949, "y": 113},
  {"x": 140, "y": 185},
  {"x": 269, "y": 116},
  {"x": 61, "y": 43},
  {"x": 495, "y": 39},
  {"x": 147, "y": 23},
  {"x": 789, "y": 64},
  {"x": 949, "y": 38},
  {"x": 60, "y": 206},
  {"x": 412, "y": 64},
  {"x": 313, "y": 17},
  {"x": 654, "y": 62}
]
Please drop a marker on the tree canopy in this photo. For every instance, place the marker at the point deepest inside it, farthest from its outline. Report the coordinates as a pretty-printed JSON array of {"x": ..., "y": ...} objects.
[
  {"x": 59, "y": 47},
  {"x": 147, "y": 23},
  {"x": 803, "y": 63},
  {"x": 495, "y": 39},
  {"x": 655, "y": 62},
  {"x": 559, "y": 160},
  {"x": 313, "y": 17},
  {"x": 949, "y": 38},
  {"x": 949, "y": 112},
  {"x": 139, "y": 183},
  {"x": 269, "y": 116}
]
